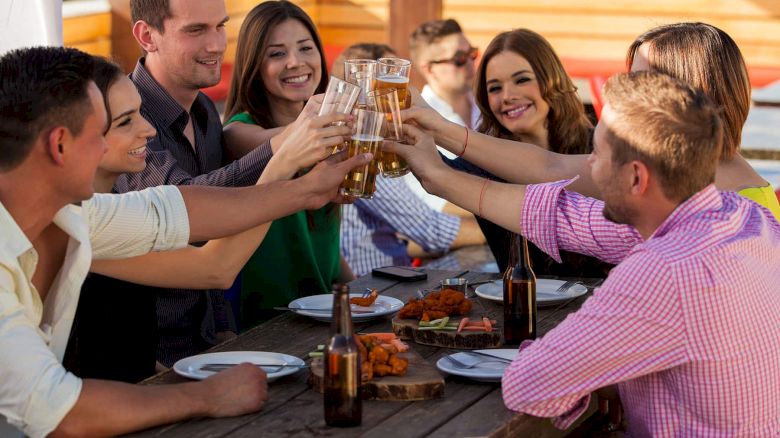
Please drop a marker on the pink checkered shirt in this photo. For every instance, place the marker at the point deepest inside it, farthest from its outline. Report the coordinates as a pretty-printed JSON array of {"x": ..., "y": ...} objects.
[{"x": 687, "y": 325}]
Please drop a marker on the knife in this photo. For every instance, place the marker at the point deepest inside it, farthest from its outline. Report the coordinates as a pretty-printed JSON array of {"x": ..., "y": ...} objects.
[
  {"x": 478, "y": 353},
  {"x": 224, "y": 366},
  {"x": 323, "y": 309}
]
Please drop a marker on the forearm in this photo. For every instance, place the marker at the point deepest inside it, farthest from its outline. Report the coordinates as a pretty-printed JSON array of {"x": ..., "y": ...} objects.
[
  {"x": 517, "y": 162},
  {"x": 469, "y": 233},
  {"x": 242, "y": 138},
  {"x": 132, "y": 408},
  {"x": 217, "y": 212},
  {"x": 501, "y": 203}
]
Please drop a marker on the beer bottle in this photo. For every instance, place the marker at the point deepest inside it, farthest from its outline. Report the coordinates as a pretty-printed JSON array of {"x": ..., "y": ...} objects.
[
  {"x": 343, "y": 403},
  {"x": 519, "y": 295}
]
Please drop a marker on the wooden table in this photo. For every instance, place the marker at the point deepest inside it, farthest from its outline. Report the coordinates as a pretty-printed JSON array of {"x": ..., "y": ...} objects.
[{"x": 467, "y": 408}]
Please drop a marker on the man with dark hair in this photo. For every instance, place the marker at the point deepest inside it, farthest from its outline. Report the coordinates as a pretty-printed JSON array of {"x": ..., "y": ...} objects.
[
  {"x": 52, "y": 119},
  {"x": 686, "y": 324},
  {"x": 445, "y": 58},
  {"x": 184, "y": 42}
]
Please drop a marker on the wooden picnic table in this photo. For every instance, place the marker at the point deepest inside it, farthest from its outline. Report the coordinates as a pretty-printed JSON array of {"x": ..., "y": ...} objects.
[{"x": 467, "y": 408}]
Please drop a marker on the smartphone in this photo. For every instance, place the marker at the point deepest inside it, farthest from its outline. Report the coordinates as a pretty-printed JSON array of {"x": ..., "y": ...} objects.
[{"x": 400, "y": 273}]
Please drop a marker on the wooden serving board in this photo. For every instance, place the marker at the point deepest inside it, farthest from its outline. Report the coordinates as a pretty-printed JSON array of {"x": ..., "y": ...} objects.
[
  {"x": 421, "y": 382},
  {"x": 407, "y": 329}
]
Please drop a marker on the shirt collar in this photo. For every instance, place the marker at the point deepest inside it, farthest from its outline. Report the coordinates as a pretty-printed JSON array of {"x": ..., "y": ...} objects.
[
  {"x": 165, "y": 109},
  {"x": 707, "y": 199},
  {"x": 15, "y": 242},
  {"x": 445, "y": 109}
]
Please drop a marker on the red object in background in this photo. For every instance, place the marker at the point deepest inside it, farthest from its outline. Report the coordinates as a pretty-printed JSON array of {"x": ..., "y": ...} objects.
[
  {"x": 219, "y": 92},
  {"x": 416, "y": 262},
  {"x": 332, "y": 52},
  {"x": 777, "y": 192},
  {"x": 597, "y": 100}
]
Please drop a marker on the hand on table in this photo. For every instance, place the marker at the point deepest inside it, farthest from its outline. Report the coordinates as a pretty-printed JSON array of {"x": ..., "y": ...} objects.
[{"x": 236, "y": 391}]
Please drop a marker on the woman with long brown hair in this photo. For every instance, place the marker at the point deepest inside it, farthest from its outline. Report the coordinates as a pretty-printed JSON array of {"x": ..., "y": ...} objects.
[
  {"x": 524, "y": 94},
  {"x": 701, "y": 54},
  {"x": 279, "y": 66}
]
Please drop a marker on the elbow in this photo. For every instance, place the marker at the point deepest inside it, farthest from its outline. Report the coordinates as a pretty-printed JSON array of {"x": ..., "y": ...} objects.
[
  {"x": 68, "y": 429},
  {"x": 220, "y": 280}
]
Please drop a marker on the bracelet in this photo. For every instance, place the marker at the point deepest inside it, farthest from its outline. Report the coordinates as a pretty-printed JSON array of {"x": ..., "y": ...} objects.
[
  {"x": 482, "y": 195},
  {"x": 465, "y": 143}
]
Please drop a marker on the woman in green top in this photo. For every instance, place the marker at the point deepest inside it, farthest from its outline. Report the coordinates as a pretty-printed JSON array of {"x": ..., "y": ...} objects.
[{"x": 279, "y": 65}]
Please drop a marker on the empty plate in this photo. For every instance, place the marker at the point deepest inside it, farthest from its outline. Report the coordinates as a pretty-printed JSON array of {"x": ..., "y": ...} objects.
[
  {"x": 381, "y": 307},
  {"x": 546, "y": 294},
  {"x": 191, "y": 366}
]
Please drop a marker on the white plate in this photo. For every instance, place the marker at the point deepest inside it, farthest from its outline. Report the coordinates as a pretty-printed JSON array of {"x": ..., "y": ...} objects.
[
  {"x": 190, "y": 366},
  {"x": 545, "y": 291},
  {"x": 486, "y": 371},
  {"x": 381, "y": 307}
]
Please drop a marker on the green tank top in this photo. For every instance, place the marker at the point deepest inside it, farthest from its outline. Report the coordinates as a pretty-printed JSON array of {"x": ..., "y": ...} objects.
[{"x": 294, "y": 260}]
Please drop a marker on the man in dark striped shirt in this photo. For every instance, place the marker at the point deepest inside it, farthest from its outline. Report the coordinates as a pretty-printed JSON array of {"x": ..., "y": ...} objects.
[{"x": 184, "y": 42}]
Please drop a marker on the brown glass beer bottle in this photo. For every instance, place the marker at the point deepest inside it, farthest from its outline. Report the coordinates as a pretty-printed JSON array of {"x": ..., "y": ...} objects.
[
  {"x": 519, "y": 295},
  {"x": 342, "y": 399}
]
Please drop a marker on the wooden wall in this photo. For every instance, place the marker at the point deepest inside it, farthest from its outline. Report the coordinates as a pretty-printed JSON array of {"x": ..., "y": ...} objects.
[
  {"x": 90, "y": 33},
  {"x": 604, "y": 29},
  {"x": 578, "y": 29}
]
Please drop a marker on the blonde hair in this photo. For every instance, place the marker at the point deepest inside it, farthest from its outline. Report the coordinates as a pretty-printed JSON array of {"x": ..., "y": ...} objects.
[
  {"x": 708, "y": 59},
  {"x": 666, "y": 124}
]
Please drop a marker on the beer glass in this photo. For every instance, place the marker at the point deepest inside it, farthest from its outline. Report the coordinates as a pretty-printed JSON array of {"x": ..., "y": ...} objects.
[
  {"x": 394, "y": 73},
  {"x": 367, "y": 138},
  {"x": 340, "y": 97},
  {"x": 360, "y": 72},
  {"x": 385, "y": 100}
]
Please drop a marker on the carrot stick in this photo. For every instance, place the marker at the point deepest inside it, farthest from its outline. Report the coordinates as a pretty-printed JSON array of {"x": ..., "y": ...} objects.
[
  {"x": 488, "y": 326},
  {"x": 462, "y": 324}
]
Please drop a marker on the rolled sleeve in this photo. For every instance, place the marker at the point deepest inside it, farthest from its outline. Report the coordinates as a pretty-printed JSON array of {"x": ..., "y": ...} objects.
[
  {"x": 555, "y": 219},
  {"x": 136, "y": 223},
  {"x": 36, "y": 392}
]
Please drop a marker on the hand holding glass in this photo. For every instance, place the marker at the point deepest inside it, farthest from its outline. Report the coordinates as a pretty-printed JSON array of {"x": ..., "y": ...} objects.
[
  {"x": 340, "y": 97},
  {"x": 367, "y": 138},
  {"x": 386, "y": 101}
]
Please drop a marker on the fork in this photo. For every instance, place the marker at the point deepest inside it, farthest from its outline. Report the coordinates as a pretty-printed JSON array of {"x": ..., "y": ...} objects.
[
  {"x": 459, "y": 364},
  {"x": 566, "y": 286}
]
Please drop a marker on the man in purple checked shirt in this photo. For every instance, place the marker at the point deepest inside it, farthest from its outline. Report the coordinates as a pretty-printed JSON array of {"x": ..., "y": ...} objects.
[{"x": 686, "y": 324}]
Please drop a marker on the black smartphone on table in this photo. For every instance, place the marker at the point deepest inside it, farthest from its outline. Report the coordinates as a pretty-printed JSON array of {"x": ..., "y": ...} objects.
[{"x": 400, "y": 273}]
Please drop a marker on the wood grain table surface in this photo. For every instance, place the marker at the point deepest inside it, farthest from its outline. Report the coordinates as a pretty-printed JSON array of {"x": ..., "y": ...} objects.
[{"x": 467, "y": 408}]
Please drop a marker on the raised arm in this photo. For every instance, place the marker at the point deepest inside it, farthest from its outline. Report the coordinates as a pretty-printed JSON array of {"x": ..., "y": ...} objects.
[
  {"x": 216, "y": 264},
  {"x": 500, "y": 203},
  {"x": 513, "y": 161}
]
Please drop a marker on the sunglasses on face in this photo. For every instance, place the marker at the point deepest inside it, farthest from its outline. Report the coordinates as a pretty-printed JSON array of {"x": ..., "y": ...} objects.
[{"x": 460, "y": 58}]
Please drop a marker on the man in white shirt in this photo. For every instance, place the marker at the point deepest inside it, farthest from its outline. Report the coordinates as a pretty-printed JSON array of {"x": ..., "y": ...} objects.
[
  {"x": 52, "y": 120},
  {"x": 446, "y": 59}
]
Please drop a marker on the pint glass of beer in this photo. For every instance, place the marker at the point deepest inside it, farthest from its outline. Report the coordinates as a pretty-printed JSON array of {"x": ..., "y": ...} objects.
[
  {"x": 340, "y": 98},
  {"x": 386, "y": 101},
  {"x": 394, "y": 73},
  {"x": 367, "y": 138}
]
